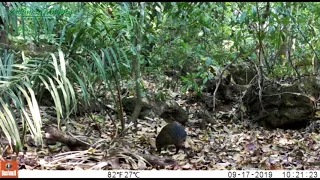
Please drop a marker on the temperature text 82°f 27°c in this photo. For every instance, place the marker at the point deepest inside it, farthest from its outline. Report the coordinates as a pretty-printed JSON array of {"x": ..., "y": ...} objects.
[{"x": 123, "y": 174}]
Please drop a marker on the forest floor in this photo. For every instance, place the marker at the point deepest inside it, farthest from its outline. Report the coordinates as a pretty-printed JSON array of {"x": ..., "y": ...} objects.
[
  {"x": 228, "y": 144},
  {"x": 225, "y": 145}
]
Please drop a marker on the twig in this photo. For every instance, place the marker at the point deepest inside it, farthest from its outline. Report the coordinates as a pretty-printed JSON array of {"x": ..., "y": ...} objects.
[
  {"x": 218, "y": 83},
  {"x": 260, "y": 88}
]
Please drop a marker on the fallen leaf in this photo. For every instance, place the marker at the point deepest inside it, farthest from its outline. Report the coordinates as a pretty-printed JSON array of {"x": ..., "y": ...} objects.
[
  {"x": 179, "y": 157},
  {"x": 187, "y": 166}
]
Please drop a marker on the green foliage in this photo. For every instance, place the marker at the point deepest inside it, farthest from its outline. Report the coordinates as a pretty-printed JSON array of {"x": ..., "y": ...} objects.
[
  {"x": 196, "y": 81},
  {"x": 98, "y": 42},
  {"x": 18, "y": 84}
]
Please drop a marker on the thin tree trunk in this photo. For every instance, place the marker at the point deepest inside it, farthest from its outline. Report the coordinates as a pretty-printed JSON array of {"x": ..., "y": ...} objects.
[{"x": 136, "y": 65}]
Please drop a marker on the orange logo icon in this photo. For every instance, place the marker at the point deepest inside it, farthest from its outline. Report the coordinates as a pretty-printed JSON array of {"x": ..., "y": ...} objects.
[{"x": 9, "y": 169}]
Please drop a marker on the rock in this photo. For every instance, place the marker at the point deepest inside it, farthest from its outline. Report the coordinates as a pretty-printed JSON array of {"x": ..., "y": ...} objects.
[
  {"x": 175, "y": 112},
  {"x": 284, "y": 105},
  {"x": 129, "y": 105}
]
